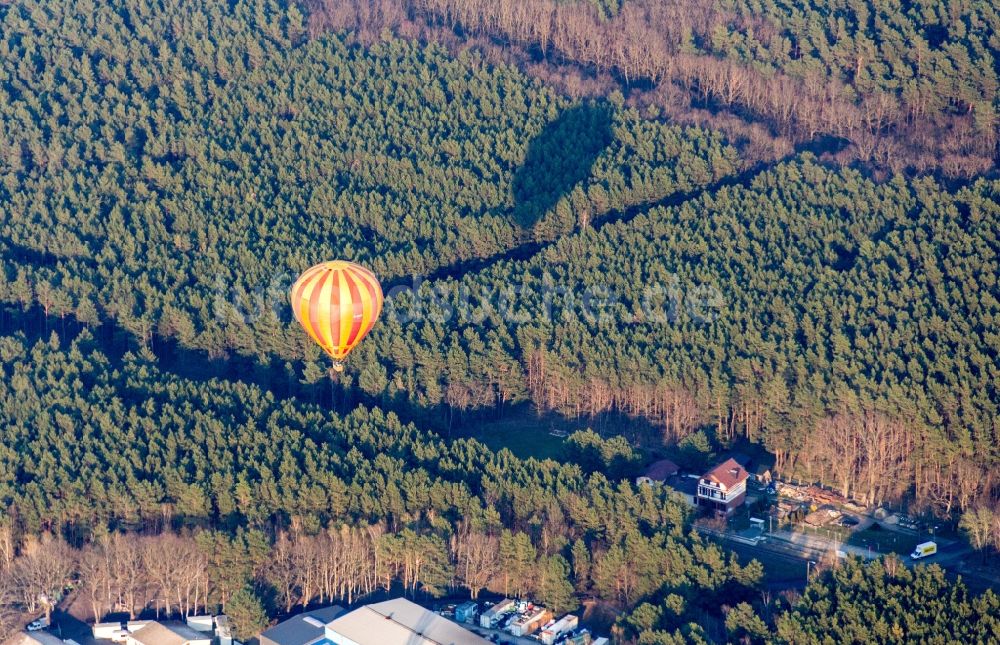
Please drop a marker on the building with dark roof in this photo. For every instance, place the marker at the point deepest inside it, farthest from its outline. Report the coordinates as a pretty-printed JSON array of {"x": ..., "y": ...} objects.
[
  {"x": 762, "y": 474},
  {"x": 724, "y": 487},
  {"x": 657, "y": 472},
  {"x": 303, "y": 629},
  {"x": 686, "y": 487}
]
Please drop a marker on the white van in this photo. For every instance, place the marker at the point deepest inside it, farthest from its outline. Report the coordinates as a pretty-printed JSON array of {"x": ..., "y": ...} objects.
[{"x": 923, "y": 550}]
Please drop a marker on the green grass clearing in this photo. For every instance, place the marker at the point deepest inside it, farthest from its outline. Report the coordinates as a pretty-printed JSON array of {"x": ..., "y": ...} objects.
[{"x": 525, "y": 436}]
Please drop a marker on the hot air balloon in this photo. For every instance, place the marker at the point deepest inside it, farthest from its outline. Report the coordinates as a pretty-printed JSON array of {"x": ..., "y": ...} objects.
[{"x": 337, "y": 303}]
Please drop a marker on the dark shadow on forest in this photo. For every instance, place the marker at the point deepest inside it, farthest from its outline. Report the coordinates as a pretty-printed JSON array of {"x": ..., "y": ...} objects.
[
  {"x": 559, "y": 158},
  {"x": 18, "y": 253},
  {"x": 529, "y": 248}
]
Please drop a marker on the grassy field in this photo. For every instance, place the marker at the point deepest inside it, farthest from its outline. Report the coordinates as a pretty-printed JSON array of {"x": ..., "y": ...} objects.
[{"x": 525, "y": 435}]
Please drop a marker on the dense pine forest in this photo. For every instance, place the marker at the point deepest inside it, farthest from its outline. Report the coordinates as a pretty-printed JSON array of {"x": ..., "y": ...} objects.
[
  {"x": 901, "y": 84},
  {"x": 844, "y": 305},
  {"x": 758, "y": 223}
]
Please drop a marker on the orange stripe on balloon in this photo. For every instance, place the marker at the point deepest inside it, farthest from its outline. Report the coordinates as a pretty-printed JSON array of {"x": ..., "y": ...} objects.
[
  {"x": 361, "y": 308},
  {"x": 334, "y": 304},
  {"x": 315, "y": 302},
  {"x": 303, "y": 305},
  {"x": 377, "y": 302},
  {"x": 358, "y": 310},
  {"x": 375, "y": 288},
  {"x": 299, "y": 288},
  {"x": 374, "y": 291},
  {"x": 346, "y": 311},
  {"x": 322, "y": 324}
]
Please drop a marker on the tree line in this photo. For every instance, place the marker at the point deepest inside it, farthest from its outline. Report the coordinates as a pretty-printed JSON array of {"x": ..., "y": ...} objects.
[{"x": 250, "y": 577}]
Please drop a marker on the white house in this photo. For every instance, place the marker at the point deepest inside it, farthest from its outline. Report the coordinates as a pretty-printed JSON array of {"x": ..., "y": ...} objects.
[{"x": 724, "y": 487}]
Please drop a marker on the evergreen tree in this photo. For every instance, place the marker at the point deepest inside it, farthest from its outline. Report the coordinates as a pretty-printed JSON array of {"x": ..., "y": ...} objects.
[{"x": 245, "y": 610}]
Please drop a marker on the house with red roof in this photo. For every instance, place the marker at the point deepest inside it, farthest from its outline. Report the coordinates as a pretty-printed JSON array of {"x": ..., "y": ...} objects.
[{"x": 724, "y": 487}]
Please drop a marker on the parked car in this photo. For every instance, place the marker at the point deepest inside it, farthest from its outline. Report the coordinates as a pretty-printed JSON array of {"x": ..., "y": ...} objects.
[{"x": 36, "y": 625}]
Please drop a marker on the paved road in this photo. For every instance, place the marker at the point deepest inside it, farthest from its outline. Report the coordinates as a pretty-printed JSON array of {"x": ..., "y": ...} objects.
[{"x": 802, "y": 548}]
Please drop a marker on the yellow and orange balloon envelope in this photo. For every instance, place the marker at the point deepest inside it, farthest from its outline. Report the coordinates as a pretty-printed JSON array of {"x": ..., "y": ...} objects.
[{"x": 337, "y": 303}]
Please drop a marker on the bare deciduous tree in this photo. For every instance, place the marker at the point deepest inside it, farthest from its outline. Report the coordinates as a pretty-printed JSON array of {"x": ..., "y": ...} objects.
[
  {"x": 477, "y": 556},
  {"x": 41, "y": 574}
]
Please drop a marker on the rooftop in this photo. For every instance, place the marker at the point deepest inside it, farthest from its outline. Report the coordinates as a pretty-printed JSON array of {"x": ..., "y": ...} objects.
[
  {"x": 304, "y": 628},
  {"x": 156, "y": 633},
  {"x": 686, "y": 485},
  {"x": 729, "y": 474},
  {"x": 401, "y": 622},
  {"x": 661, "y": 470}
]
